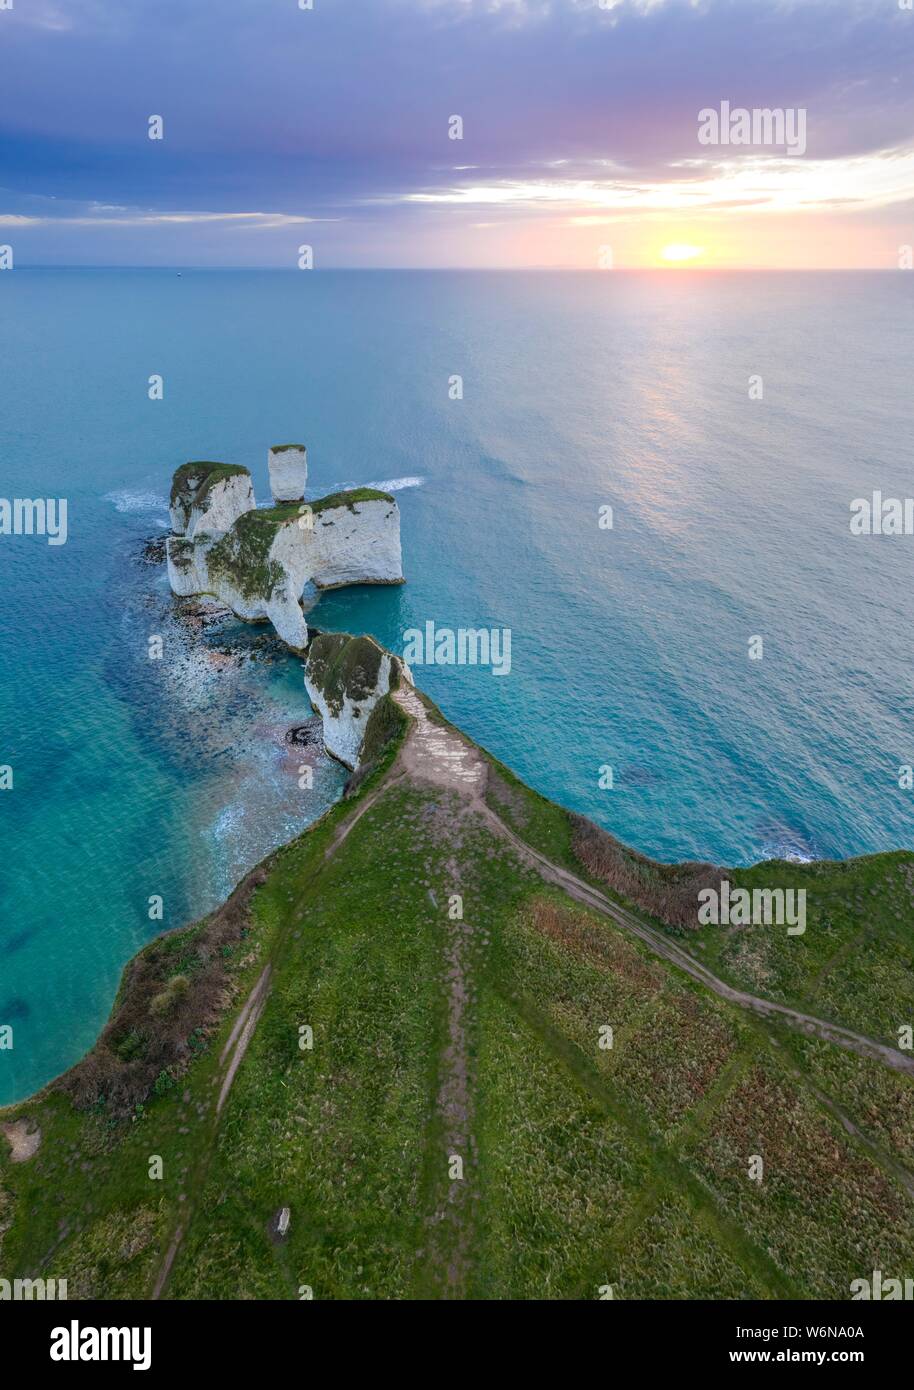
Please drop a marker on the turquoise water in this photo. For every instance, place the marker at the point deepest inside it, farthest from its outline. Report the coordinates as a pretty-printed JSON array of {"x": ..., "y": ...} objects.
[{"x": 629, "y": 646}]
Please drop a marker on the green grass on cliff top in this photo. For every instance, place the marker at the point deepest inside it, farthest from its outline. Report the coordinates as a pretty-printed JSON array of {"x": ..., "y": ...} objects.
[
  {"x": 350, "y": 499},
  {"x": 583, "y": 1167},
  {"x": 343, "y": 667},
  {"x": 206, "y": 474}
]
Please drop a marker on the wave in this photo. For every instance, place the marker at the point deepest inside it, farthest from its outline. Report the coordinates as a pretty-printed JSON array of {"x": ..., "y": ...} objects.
[
  {"x": 779, "y": 841},
  {"x": 385, "y": 485},
  {"x": 785, "y": 852},
  {"x": 396, "y": 484},
  {"x": 131, "y": 500}
]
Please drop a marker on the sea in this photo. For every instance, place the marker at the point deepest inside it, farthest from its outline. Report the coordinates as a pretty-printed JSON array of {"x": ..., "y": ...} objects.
[{"x": 645, "y": 478}]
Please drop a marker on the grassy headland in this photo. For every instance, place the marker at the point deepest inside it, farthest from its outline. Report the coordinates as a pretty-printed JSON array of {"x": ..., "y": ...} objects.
[{"x": 428, "y": 1086}]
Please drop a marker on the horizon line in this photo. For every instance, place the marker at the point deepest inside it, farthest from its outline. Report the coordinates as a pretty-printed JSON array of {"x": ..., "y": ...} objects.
[{"x": 670, "y": 270}]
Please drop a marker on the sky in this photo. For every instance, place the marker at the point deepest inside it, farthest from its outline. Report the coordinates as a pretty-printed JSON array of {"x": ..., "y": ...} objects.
[{"x": 583, "y": 140}]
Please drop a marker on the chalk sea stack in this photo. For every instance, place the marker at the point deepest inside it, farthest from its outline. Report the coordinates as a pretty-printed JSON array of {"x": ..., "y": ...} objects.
[
  {"x": 258, "y": 560},
  {"x": 288, "y": 465}
]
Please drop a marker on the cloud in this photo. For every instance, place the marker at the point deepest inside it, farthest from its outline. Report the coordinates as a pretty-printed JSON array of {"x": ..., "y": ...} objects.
[
  {"x": 341, "y": 112},
  {"x": 695, "y": 186},
  {"x": 101, "y": 218}
]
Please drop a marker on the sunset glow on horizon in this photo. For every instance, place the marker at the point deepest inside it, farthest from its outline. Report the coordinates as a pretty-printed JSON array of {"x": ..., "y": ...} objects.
[
  {"x": 678, "y": 252},
  {"x": 451, "y": 137}
]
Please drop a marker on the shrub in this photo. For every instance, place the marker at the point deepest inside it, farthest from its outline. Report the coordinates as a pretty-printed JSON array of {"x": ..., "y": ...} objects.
[
  {"x": 668, "y": 892},
  {"x": 170, "y": 996}
]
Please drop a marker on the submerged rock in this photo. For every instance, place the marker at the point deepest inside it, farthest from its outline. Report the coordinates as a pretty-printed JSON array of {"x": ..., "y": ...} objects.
[
  {"x": 304, "y": 735},
  {"x": 153, "y": 552}
]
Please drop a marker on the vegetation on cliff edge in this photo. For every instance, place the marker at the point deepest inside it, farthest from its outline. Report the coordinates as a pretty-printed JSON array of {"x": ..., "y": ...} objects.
[
  {"x": 481, "y": 1036},
  {"x": 192, "y": 482},
  {"x": 344, "y": 667}
]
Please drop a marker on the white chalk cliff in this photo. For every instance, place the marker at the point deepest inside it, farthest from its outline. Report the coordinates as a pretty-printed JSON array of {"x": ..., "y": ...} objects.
[
  {"x": 260, "y": 561},
  {"x": 187, "y": 571},
  {"x": 209, "y": 497},
  {"x": 346, "y": 678}
]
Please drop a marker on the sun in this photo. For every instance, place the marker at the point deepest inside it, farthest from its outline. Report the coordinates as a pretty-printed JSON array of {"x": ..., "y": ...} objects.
[{"x": 679, "y": 251}]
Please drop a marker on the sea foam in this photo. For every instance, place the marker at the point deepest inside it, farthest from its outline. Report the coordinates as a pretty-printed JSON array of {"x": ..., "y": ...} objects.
[{"x": 133, "y": 500}]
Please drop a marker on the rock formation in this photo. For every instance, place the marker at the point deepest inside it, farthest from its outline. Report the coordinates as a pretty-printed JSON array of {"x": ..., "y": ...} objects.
[
  {"x": 288, "y": 465},
  {"x": 346, "y": 679},
  {"x": 258, "y": 561},
  {"x": 209, "y": 497},
  {"x": 187, "y": 571}
]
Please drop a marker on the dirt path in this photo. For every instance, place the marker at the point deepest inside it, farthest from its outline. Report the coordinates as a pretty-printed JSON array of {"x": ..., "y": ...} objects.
[
  {"x": 433, "y": 753},
  {"x": 438, "y": 755},
  {"x": 167, "y": 1263},
  {"x": 243, "y": 1030},
  {"x": 352, "y": 821},
  {"x": 237, "y": 1045}
]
